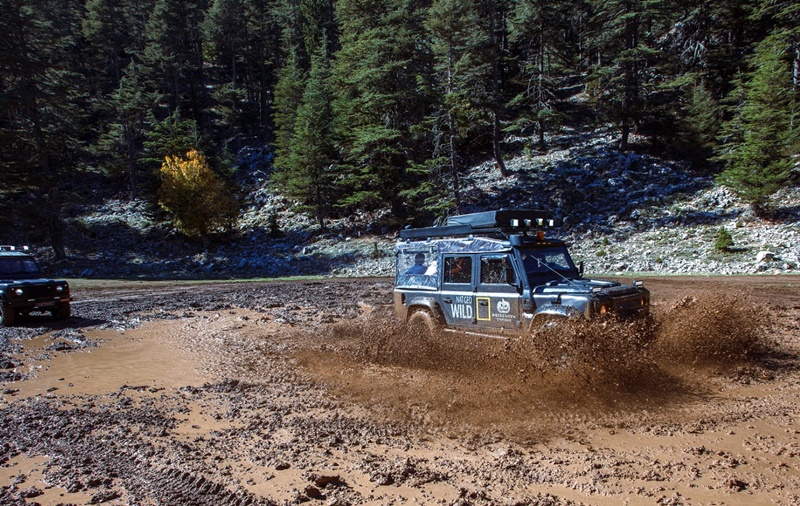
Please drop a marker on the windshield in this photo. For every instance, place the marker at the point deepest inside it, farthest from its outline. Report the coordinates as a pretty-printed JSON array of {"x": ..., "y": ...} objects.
[
  {"x": 542, "y": 262},
  {"x": 18, "y": 267}
]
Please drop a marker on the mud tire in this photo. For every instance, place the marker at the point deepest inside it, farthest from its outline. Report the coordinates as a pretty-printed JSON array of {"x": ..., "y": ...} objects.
[
  {"x": 423, "y": 323},
  {"x": 63, "y": 311},
  {"x": 7, "y": 316},
  {"x": 543, "y": 322}
]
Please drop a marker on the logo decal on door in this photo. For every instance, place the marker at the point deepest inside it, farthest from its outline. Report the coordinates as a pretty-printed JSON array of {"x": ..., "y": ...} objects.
[{"x": 503, "y": 306}]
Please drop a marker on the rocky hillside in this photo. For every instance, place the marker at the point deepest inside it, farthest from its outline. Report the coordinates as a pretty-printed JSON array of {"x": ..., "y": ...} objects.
[{"x": 623, "y": 213}]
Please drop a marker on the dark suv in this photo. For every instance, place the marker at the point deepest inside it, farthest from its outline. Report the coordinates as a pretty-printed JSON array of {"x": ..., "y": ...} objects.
[
  {"x": 24, "y": 289},
  {"x": 495, "y": 272}
]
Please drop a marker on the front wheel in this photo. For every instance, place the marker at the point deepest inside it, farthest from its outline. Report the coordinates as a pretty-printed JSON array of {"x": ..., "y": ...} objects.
[
  {"x": 423, "y": 323},
  {"x": 546, "y": 321},
  {"x": 7, "y": 316},
  {"x": 63, "y": 311}
]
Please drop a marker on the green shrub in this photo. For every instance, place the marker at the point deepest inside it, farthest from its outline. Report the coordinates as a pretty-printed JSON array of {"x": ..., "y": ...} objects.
[
  {"x": 724, "y": 240},
  {"x": 273, "y": 228}
]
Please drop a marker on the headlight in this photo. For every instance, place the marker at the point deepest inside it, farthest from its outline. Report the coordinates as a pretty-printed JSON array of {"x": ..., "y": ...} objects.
[
  {"x": 59, "y": 288},
  {"x": 18, "y": 292}
]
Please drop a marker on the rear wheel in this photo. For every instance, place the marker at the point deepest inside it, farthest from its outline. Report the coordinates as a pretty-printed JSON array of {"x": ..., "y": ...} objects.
[
  {"x": 423, "y": 323},
  {"x": 7, "y": 316}
]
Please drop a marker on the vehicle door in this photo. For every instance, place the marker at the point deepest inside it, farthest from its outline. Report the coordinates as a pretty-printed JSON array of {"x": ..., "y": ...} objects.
[
  {"x": 499, "y": 293},
  {"x": 458, "y": 289}
]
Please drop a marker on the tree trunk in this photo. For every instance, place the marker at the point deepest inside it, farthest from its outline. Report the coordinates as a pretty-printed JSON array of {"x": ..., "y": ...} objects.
[
  {"x": 498, "y": 154},
  {"x": 497, "y": 40},
  {"x": 131, "y": 151},
  {"x": 795, "y": 81},
  {"x": 623, "y": 138},
  {"x": 542, "y": 144},
  {"x": 454, "y": 163},
  {"x": 52, "y": 212},
  {"x": 630, "y": 77},
  {"x": 55, "y": 226}
]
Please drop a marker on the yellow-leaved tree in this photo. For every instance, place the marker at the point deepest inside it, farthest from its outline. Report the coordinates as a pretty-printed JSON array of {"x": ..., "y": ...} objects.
[{"x": 198, "y": 200}]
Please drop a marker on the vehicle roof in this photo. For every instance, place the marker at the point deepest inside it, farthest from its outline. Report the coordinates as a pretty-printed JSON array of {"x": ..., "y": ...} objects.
[
  {"x": 470, "y": 245},
  {"x": 460, "y": 245},
  {"x": 16, "y": 254}
]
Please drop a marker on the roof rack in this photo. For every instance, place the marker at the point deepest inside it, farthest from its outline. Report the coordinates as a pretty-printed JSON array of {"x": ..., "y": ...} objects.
[
  {"x": 504, "y": 222},
  {"x": 6, "y": 247}
]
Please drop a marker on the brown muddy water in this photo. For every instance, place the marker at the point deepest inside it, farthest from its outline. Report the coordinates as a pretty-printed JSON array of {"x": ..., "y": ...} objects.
[{"x": 295, "y": 392}]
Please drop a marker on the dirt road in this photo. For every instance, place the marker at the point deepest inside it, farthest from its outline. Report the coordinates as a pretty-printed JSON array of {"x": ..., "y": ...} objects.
[{"x": 284, "y": 393}]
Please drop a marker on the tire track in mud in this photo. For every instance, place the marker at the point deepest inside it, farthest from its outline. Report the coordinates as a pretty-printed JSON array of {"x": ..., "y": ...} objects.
[
  {"x": 173, "y": 486},
  {"x": 119, "y": 451}
]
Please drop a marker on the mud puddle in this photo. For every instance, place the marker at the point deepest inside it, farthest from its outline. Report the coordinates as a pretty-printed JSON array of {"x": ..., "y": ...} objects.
[{"x": 146, "y": 357}]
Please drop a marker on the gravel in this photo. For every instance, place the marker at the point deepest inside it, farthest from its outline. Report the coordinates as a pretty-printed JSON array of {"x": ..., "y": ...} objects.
[{"x": 622, "y": 212}]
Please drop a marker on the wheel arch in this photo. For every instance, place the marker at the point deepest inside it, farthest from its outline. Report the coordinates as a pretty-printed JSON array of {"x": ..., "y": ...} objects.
[{"x": 425, "y": 303}]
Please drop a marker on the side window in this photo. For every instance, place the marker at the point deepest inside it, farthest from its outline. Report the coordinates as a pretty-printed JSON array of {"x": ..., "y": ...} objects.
[
  {"x": 496, "y": 269},
  {"x": 458, "y": 269},
  {"x": 416, "y": 269}
]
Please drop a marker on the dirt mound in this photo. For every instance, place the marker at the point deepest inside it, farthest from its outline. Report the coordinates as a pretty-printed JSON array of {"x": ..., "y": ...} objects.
[{"x": 597, "y": 369}]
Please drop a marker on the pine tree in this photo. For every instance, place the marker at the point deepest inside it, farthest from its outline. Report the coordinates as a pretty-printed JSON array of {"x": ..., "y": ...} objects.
[
  {"x": 261, "y": 57},
  {"x": 308, "y": 173},
  {"x": 289, "y": 17},
  {"x": 625, "y": 32},
  {"x": 225, "y": 37},
  {"x": 317, "y": 24},
  {"x": 225, "y": 40},
  {"x": 42, "y": 103},
  {"x": 704, "y": 52},
  {"x": 784, "y": 16},
  {"x": 172, "y": 136},
  {"x": 288, "y": 96},
  {"x": 377, "y": 101},
  {"x": 763, "y": 138},
  {"x": 710, "y": 40},
  {"x": 113, "y": 30},
  {"x": 461, "y": 74},
  {"x": 700, "y": 123},
  {"x": 122, "y": 141},
  {"x": 536, "y": 26},
  {"x": 173, "y": 57}
]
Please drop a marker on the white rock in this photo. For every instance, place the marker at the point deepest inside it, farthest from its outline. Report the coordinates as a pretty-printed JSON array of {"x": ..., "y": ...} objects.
[{"x": 765, "y": 256}]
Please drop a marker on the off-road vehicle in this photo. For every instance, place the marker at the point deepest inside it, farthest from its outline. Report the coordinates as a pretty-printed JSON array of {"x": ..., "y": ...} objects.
[
  {"x": 495, "y": 272},
  {"x": 24, "y": 288}
]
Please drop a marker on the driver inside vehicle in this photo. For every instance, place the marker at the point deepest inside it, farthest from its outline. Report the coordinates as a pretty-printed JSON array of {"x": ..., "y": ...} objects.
[{"x": 419, "y": 265}]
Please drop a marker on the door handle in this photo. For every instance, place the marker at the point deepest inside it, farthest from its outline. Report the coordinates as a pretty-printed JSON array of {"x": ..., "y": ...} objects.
[
  {"x": 448, "y": 301},
  {"x": 484, "y": 303}
]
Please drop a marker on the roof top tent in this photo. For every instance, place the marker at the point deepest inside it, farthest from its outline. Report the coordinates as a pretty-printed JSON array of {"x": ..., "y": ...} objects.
[{"x": 504, "y": 223}]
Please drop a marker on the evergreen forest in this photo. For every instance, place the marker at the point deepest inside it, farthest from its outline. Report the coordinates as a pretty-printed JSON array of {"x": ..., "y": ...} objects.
[{"x": 370, "y": 103}]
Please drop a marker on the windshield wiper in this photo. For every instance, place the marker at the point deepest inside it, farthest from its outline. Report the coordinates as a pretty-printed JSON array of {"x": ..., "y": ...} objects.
[{"x": 541, "y": 263}]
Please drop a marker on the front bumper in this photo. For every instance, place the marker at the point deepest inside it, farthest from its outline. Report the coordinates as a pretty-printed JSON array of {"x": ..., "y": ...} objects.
[{"x": 38, "y": 304}]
